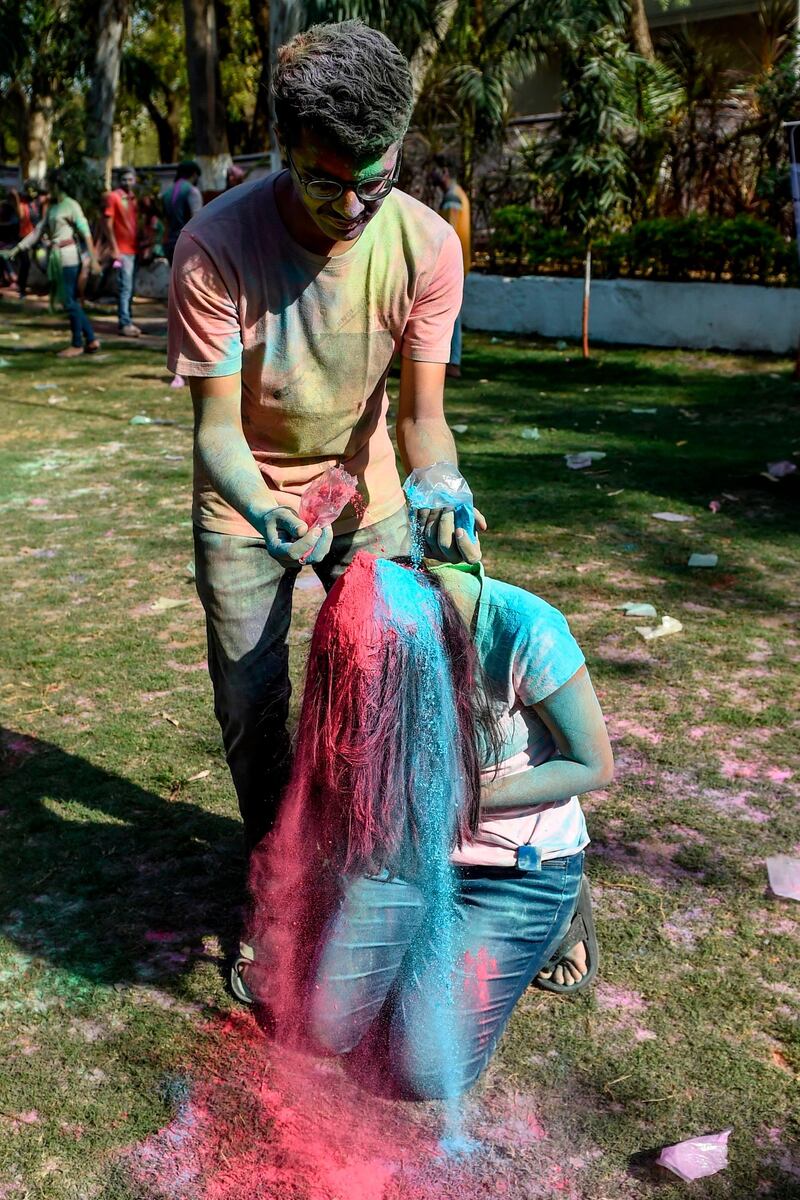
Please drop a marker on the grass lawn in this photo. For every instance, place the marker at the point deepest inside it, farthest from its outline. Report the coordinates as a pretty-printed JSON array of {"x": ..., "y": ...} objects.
[{"x": 127, "y": 1070}]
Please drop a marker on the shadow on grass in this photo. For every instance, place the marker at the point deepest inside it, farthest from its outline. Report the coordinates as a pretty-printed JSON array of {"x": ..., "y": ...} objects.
[{"x": 109, "y": 881}]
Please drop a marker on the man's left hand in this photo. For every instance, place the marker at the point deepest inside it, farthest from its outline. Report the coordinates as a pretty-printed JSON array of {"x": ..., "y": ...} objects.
[{"x": 442, "y": 541}]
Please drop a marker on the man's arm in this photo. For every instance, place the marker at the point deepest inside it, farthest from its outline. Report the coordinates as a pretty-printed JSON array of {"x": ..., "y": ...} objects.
[
  {"x": 424, "y": 438},
  {"x": 108, "y": 225},
  {"x": 222, "y": 449},
  {"x": 573, "y": 716}
]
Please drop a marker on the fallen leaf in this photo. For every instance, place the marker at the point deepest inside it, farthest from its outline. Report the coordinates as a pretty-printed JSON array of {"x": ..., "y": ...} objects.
[
  {"x": 171, "y": 720},
  {"x": 199, "y": 775}
]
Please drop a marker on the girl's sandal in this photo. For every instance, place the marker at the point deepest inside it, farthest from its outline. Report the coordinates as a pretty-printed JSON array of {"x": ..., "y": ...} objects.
[
  {"x": 581, "y": 930},
  {"x": 245, "y": 958}
]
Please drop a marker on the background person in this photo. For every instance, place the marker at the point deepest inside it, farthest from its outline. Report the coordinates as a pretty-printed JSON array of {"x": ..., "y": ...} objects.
[
  {"x": 30, "y": 206},
  {"x": 455, "y": 208},
  {"x": 121, "y": 213},
  {"x": 64, "y": 225},
  {"x": 180, "y": 202}
]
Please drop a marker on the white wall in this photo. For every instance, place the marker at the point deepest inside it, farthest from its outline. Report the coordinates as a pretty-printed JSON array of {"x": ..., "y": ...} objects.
[{"x": 726, "y": 316}]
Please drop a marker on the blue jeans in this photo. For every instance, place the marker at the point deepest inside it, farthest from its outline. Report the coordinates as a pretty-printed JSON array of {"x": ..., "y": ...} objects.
[
  {"x": 380, "y": 961},
  {"x": 127, "y": 273},
  {"x": 79, "y": 323},
  {"x": 247, "y": 597},
  {"x": 455, "y": 344}
]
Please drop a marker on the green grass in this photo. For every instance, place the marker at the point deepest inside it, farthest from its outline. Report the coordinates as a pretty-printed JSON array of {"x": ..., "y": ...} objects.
[{"x": 118, "y": 819}]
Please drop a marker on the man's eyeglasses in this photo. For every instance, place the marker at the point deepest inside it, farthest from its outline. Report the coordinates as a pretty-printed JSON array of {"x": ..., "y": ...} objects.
[{"x": 368, "y": 190}]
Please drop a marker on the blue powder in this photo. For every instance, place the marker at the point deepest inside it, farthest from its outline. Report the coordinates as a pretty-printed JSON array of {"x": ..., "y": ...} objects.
[{"x": 436, "y": 795}]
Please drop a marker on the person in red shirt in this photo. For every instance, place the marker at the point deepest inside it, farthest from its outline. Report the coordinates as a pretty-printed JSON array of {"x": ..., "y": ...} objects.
[
  {"x": 30, "y": 207},
  {"x": 121, "y": 218}
]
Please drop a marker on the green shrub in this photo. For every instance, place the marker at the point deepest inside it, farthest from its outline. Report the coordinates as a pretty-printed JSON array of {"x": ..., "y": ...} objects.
[{"x": 739, "y": 250}]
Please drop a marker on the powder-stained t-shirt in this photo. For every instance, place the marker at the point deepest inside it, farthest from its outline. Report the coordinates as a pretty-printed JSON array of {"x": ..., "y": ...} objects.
[
  {"x": 121, "y": 210},
  {"x": 63, "y": 224},
  {"x": 314, "y": 338},
  {"x": 527, "y": 652}
]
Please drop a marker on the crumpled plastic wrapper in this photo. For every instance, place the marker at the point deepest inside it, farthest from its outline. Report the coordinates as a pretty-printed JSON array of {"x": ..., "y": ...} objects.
[
  {"x": 325, "y": 499},
  {"x": 697, "y": 1157},
  {"x": 442, "y": 486},
  {"x": 784, "y": 876}
]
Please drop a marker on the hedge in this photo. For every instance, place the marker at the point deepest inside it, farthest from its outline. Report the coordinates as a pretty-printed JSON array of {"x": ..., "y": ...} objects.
[{"x": 737, "y": 250}]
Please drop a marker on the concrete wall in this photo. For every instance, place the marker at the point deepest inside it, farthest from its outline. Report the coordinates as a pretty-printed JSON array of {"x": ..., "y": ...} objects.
[{"x": 725, "y": 316}]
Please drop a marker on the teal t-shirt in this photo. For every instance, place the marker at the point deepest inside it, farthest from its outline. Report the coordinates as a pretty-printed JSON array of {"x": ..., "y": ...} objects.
[{"x": 527, "y": 652}]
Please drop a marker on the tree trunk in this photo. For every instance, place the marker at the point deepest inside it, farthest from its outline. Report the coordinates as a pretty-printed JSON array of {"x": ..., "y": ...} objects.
[
  {"x": 259, "y": 129},
  {"x": 587, "y": 288},
  {"x": 423, "y": 57},
  {"x": 284, "y": 22},
  {"x": 101, "y": 104},
  {"x": 205, "y": 92},
  {"x": 167, "y": 128},
  {"x": 640, "y": 31},
  {"x": 39, "y": 132}
]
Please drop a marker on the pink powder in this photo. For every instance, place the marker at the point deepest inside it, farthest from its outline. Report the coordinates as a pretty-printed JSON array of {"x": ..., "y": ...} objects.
[
  {"x": 479, "y": 969},
  {"x": 610, "y": 998},
  {"x": 325, "y": 499}
]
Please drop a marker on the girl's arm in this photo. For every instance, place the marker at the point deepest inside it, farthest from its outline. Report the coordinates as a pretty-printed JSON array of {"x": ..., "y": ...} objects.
[
  {"x": 33, "y": 237},
  {"x": 573, "y": 716}
]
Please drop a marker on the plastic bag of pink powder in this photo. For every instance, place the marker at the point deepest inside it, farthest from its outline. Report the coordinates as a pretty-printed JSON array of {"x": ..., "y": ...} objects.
[
  {"x": 697, "y": 1157},
  {"x": 325, "y": 499}
]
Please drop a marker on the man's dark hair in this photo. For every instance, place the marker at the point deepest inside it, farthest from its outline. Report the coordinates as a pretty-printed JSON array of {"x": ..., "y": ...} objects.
[
  {"x": 187, "y": 169},
  {"x": 345, "y": 83},
  {"x": 444, "y": 162}
]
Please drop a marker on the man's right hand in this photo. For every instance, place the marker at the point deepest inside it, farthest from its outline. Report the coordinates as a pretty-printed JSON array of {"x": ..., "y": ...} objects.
[{"x": 290, "y": 541}]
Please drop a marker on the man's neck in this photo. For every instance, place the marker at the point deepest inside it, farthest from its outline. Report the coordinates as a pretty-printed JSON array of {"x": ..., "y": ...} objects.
[{"x": 300, "y": 225}]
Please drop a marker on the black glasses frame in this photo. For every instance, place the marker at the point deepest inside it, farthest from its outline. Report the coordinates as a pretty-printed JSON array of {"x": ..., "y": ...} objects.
[{"x": 389, "y": 181}]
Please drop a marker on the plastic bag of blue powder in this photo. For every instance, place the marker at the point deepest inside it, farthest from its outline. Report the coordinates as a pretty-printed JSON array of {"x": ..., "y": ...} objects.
[{"x": 442, "y": 486}]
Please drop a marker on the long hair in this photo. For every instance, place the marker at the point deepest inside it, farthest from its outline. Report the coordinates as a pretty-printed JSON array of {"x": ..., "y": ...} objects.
[{"x": 387, "y": 768}]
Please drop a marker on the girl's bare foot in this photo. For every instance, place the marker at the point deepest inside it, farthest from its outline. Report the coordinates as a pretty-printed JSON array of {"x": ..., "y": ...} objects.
[{"x": 571, "y": 968}]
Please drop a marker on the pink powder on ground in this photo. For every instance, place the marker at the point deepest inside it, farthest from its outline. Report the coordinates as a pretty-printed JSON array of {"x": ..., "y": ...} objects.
[{"x": 610, "y": 998}]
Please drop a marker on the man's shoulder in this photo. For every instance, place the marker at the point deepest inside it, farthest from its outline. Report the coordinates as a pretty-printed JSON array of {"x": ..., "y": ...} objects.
[
  {"x": 413, "y": 212},
  {"x": 240, "y": 205}
]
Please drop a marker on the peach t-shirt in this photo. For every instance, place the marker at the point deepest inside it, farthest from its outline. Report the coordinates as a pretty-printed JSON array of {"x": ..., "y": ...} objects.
[{"x": 314, "y": 338}]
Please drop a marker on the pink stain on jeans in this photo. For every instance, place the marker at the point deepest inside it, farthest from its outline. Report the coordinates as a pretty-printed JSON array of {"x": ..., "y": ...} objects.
[{"x": 478, "y": 970}]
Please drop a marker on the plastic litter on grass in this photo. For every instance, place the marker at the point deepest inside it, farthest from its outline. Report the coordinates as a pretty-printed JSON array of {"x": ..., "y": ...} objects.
[
  {"x": 531, "y": 435},
  {"x": 779, "y": 470},
  {"x": 671, "y": 516},
  {"x": 703, "y": 560},
  {"x": 632, "y": 609},
  {"x": 459, "y": 428},
  {"x": 668, "y": 626},
  {"x": 697, "y": 1157},
  {"x": 165, "y": 603},
  {"x": 784, "y": 876},
  {"x": 583, "y": 458}
]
